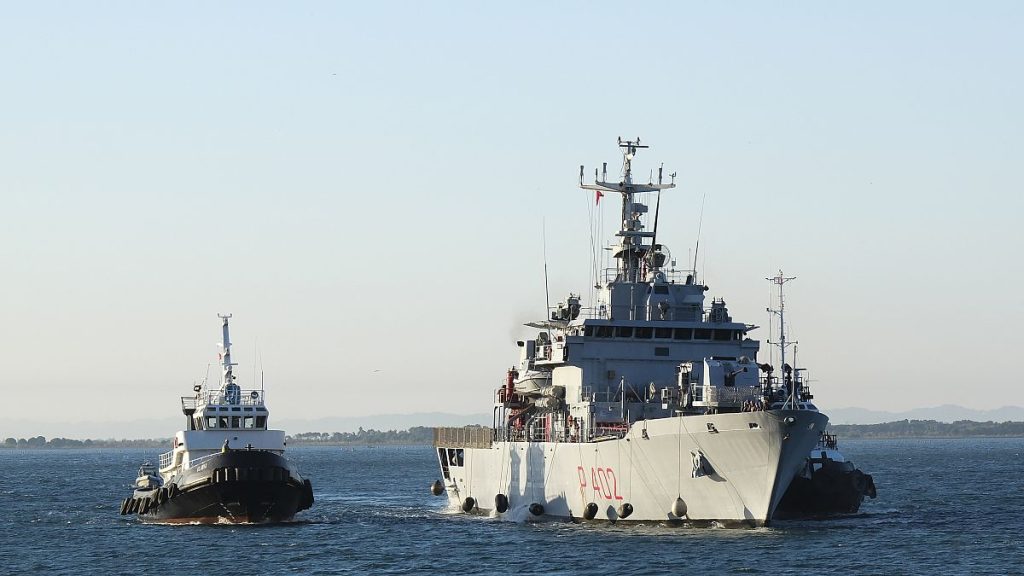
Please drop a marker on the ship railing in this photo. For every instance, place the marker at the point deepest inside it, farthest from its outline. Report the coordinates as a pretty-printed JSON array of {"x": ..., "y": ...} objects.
[
  {"x": 672, "y": 275},
  {"x": 166, "y": 458},
  {"x": 726, "y": 396},
  {"x": 230, "y": 397},
  {"x": 610, "y": 393},
  {"x": 199, "y": 460},
  {"x": 609, "y": 429},
  {"x": 828, "y": 441},
  {"x": 463, "y": 437}
]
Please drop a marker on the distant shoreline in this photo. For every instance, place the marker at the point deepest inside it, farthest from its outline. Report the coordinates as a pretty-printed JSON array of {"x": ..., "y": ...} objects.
[
  {"x": 423, "y": 435},
  {"x": 930, "y": 429}
]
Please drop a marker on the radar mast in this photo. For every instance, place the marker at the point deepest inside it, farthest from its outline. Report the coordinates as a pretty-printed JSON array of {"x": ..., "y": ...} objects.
[{"x": 631, "y": 249}]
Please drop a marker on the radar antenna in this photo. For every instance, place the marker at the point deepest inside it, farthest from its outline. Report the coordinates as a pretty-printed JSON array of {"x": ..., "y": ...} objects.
[
  {"x": 788, "y": 376},
  {"x": 631, "y": 249}
]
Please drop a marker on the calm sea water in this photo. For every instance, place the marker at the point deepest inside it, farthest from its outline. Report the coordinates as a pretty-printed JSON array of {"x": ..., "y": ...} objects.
[{"x": 944, "y": 507}]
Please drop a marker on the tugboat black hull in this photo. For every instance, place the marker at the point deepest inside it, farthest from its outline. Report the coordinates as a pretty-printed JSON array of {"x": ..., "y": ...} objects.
[
  {"x": 236, "y": 486},
  {"x": 834, "y": 488}
]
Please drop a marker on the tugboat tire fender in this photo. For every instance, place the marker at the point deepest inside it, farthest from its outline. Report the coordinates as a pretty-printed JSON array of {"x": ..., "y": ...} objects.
[
  {"x": 307, "y": 495},
  {"x": 124, "y": 506}
]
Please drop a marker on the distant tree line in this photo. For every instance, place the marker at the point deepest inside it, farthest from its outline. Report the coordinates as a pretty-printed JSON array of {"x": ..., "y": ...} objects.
[
  {"x": 413, "y": 436},
  {"x": 416, "y": 435},
  {"x": 424, "y": 435},
  {"x": 42, "y": 442},
  {"x": 930, "y": 429}
]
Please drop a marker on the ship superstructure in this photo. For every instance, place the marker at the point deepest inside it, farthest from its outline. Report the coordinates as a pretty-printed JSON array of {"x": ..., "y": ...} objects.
[
  {"x": 227, "y": 465},
  {"x": 647, "y": 405}
]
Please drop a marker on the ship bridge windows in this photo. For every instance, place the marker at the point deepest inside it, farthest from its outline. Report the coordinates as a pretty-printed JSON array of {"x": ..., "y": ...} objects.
[
  {"x": 660, "y": 289},
  {"x": 647, "y": 333},
  {"x": 683, "y": 334},
  {"x": 246, "y": 422}
]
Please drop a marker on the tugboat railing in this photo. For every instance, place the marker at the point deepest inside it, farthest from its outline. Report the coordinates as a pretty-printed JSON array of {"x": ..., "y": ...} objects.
[
  {"x": 237, "y": 397},
  {"x": 196, "y": 461}
]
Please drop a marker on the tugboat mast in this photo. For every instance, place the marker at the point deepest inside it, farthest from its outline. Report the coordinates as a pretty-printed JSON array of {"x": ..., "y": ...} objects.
[
  {"x": 227, "y": 378},
  {"x": 788, "y": 373}
]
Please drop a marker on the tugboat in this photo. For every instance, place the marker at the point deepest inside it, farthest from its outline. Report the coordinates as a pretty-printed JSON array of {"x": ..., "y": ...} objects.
[
  {"x": 644, "y": 406},
  {"x": 828, "y": 484},
  {"x": 226, "y": 466}
]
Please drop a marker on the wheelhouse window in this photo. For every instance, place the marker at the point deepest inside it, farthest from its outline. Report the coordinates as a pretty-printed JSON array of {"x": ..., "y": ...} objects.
[
  {"x": 702, "y": 334},
  {"x": 723, "y": 335},
  {"x": 661, "y": 289},
  {"x": 604, "y": 332},
  {"x": 683, "y": 334},
  {"x": 211, "y": 421},
  {"x": 588, "y": 331},
  {"x": 644, "y": 333},
  {"x": 248, "y": 422},
  {"x": 624, "y": 331},
  {"x": 261, "y": 422},
  {"x": 662, "y": 332},
  {"x": 236, "y": 422},
  {"x": 222, "y": 422}
]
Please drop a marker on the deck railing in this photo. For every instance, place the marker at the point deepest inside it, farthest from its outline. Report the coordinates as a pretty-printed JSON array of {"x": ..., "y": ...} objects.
[
  {"x": 731, "y": 396},
  {"x": 236, "y": 397},
  {"x": 465, "y": 437}
]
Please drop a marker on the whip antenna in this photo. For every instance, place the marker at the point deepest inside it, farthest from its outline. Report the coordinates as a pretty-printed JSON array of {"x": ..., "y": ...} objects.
[{"x": 700, "y": 224}]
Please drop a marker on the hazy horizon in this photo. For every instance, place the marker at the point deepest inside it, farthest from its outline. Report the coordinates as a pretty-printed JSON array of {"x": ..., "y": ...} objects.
[{"x": 363, "y": 186}]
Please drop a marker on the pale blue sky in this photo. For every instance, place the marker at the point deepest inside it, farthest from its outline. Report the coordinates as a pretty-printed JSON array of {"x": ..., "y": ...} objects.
[{"x": 363, "y": 186}]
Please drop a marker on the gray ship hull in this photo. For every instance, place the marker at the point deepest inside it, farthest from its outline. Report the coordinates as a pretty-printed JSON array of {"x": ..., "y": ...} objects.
[{"x": 731, "y": 469}]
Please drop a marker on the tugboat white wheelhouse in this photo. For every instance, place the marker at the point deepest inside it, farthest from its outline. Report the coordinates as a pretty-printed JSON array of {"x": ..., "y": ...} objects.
[
  {"x": 226, "y": 466},
  {"x": 646, "y": 406}
]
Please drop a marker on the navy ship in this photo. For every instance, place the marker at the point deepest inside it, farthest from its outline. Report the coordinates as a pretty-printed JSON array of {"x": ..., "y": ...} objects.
[
  {"x": 226, "y": 466},
  {"x": 643, "y": 403}
]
